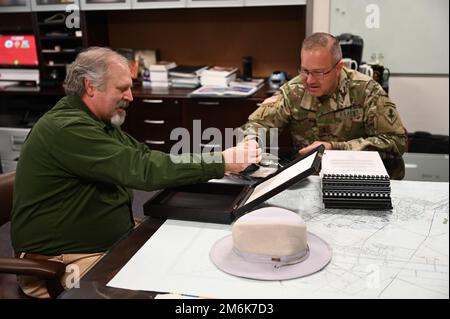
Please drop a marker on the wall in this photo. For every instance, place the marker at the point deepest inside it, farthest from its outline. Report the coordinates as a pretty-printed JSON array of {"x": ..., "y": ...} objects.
[
  {"x": 406, "y": 46},
  {"x": 272, "y": 35},
  {"x": 320, "y": 12},
  {"x": 423, "y": 101}
]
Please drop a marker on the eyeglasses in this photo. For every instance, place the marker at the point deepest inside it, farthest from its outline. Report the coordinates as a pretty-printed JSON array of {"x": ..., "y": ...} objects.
[{"x": 319, "y": 75}]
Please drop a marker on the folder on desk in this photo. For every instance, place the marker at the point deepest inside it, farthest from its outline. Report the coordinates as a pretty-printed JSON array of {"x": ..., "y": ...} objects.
[{"x": 222, "y": 203}]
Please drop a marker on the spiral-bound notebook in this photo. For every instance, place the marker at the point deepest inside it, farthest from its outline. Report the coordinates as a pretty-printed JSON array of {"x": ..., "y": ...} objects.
[
  {"x": 353, "y": 163},
  {"x": 355, "y": 179}
]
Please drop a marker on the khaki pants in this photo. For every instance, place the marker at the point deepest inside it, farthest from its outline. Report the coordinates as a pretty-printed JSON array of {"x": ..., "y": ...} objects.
[{"x": 76, "y": 266}]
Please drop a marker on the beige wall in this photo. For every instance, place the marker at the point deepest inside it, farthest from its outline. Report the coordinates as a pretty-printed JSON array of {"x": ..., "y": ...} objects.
[
  {"x": 320, "y": 12},
  {"x": 423, "y": 101}
]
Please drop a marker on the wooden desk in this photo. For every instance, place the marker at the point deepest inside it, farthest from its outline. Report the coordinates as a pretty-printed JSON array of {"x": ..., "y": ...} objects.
[{"x": 406, "y": 246}]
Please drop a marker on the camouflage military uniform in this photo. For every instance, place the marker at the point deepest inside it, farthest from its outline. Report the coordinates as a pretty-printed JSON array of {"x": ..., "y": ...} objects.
[{"x": 358, "y": 116}]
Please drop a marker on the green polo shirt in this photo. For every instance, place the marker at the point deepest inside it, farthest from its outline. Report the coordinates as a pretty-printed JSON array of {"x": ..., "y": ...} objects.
[{"x": 72, "y": 190}]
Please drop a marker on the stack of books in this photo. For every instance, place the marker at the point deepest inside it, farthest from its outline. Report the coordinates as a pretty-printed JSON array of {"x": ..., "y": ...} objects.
[
  {"x": 159, "y": 74},
  {"x": 186, "y": 76},
  {"x": 252, "y": 83},
  {"x": 218, "y": 76},
  {"x": 355, "y": 179},
  {"x": 228, "y": 91}
]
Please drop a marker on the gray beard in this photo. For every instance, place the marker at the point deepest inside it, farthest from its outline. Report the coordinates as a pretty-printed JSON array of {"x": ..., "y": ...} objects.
[{"x": 118, "y": 119}]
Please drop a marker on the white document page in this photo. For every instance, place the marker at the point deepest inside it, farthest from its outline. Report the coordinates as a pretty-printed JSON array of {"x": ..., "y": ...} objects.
[
  {"x": 352, "y": 163},
  {"x": 282, "y": 177}
]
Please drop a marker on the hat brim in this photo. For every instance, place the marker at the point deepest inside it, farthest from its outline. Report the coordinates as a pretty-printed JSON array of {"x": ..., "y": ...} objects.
[{"x": 224, "y": 257}]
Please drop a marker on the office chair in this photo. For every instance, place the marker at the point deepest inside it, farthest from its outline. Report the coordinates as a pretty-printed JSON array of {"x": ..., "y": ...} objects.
[{"x": 50, "y": 271}]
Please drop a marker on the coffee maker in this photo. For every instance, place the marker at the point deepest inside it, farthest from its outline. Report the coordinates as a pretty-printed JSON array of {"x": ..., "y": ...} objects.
[
  {"x": 352, "y": 49},
  {"x": 351, "y": 46}
]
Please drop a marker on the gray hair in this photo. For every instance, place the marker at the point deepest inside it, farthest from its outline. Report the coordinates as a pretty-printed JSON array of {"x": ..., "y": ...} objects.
[
  {"x": 92, "y": 64},
  {"x": 324, "y": 40}
]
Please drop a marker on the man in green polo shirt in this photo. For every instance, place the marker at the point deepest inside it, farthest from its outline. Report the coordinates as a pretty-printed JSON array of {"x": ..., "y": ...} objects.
[{"x": 72, "y": 196}]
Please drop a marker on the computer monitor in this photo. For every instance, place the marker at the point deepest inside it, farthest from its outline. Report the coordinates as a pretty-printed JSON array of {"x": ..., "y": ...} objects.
[
  {"x": 18, "y": 58},
  {"x": 18, "y": 50}
]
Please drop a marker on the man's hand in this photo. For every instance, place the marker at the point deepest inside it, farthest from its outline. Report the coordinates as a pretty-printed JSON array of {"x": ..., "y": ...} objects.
[
  {"x": 312, "y": 146},
  {"x": 239, "y": 157}
]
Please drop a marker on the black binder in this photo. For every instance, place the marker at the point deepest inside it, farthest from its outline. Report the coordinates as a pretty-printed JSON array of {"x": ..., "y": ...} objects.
[
  {"x": 355, "y": 190},
  {"x": 223, "y": 203},
  {"x": 355, "y": 180}
]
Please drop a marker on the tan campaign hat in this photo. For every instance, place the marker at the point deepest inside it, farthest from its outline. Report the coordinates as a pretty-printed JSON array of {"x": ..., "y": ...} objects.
[{"x": 270, "y": 243}]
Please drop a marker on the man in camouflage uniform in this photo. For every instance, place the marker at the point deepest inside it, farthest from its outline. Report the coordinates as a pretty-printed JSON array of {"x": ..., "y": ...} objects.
[{"x": 331, "y": 105}]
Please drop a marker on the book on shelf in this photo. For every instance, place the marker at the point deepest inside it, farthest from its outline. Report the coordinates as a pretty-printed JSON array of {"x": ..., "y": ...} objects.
[
  {"x": 231, "y": 91},
  {"x": 159, "y": 84},
  {"x": 355, "y": 179},
  {"x": 219, "y": 71},
  {"x": 187, "y": 71},
  {"x": 185, "y": 80},
  {"x": 206, "y": 80},
  {"x": 159, "y": 76},
  {"x": 191, "y": 83},
  {"x": 252, "y": 83},
  {"x": 162, "y": 66}
]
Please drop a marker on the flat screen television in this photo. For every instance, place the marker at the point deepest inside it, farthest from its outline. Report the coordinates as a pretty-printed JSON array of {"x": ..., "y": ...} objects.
[{"x": 18, "y": 50}]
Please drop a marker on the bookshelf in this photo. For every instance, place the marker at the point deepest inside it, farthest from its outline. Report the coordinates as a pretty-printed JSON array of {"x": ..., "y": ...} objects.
[{"x": 58, "y": 45}]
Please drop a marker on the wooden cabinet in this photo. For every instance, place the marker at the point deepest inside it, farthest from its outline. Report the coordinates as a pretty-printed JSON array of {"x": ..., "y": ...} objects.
[
  {"x": 58, "y": 45},
  {"x": 53, "y": 5},
  {"x": 170, "y": 123},
  {"x": 15, "y": 6},
  {"x": 182, "y": 124},
  {"x": 214, "y": 3},
  {"x": 151, "y": 121},
  {"x": 157, "y": 4},
  {"x": 251, "y": 3},
  {"x": 105, "y": 5},
  {"x": 212, "y": 122},
  {"x": 193, "y": 124}
]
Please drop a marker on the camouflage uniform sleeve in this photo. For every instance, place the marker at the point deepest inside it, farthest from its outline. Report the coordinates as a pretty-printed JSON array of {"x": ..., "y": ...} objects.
[
  {"x": 274, "y": 112},
  {"x": 385, "y": 131}
]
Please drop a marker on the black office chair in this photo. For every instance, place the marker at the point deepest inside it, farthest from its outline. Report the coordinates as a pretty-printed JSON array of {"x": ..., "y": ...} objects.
[{"x": 51, "y": 271}]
